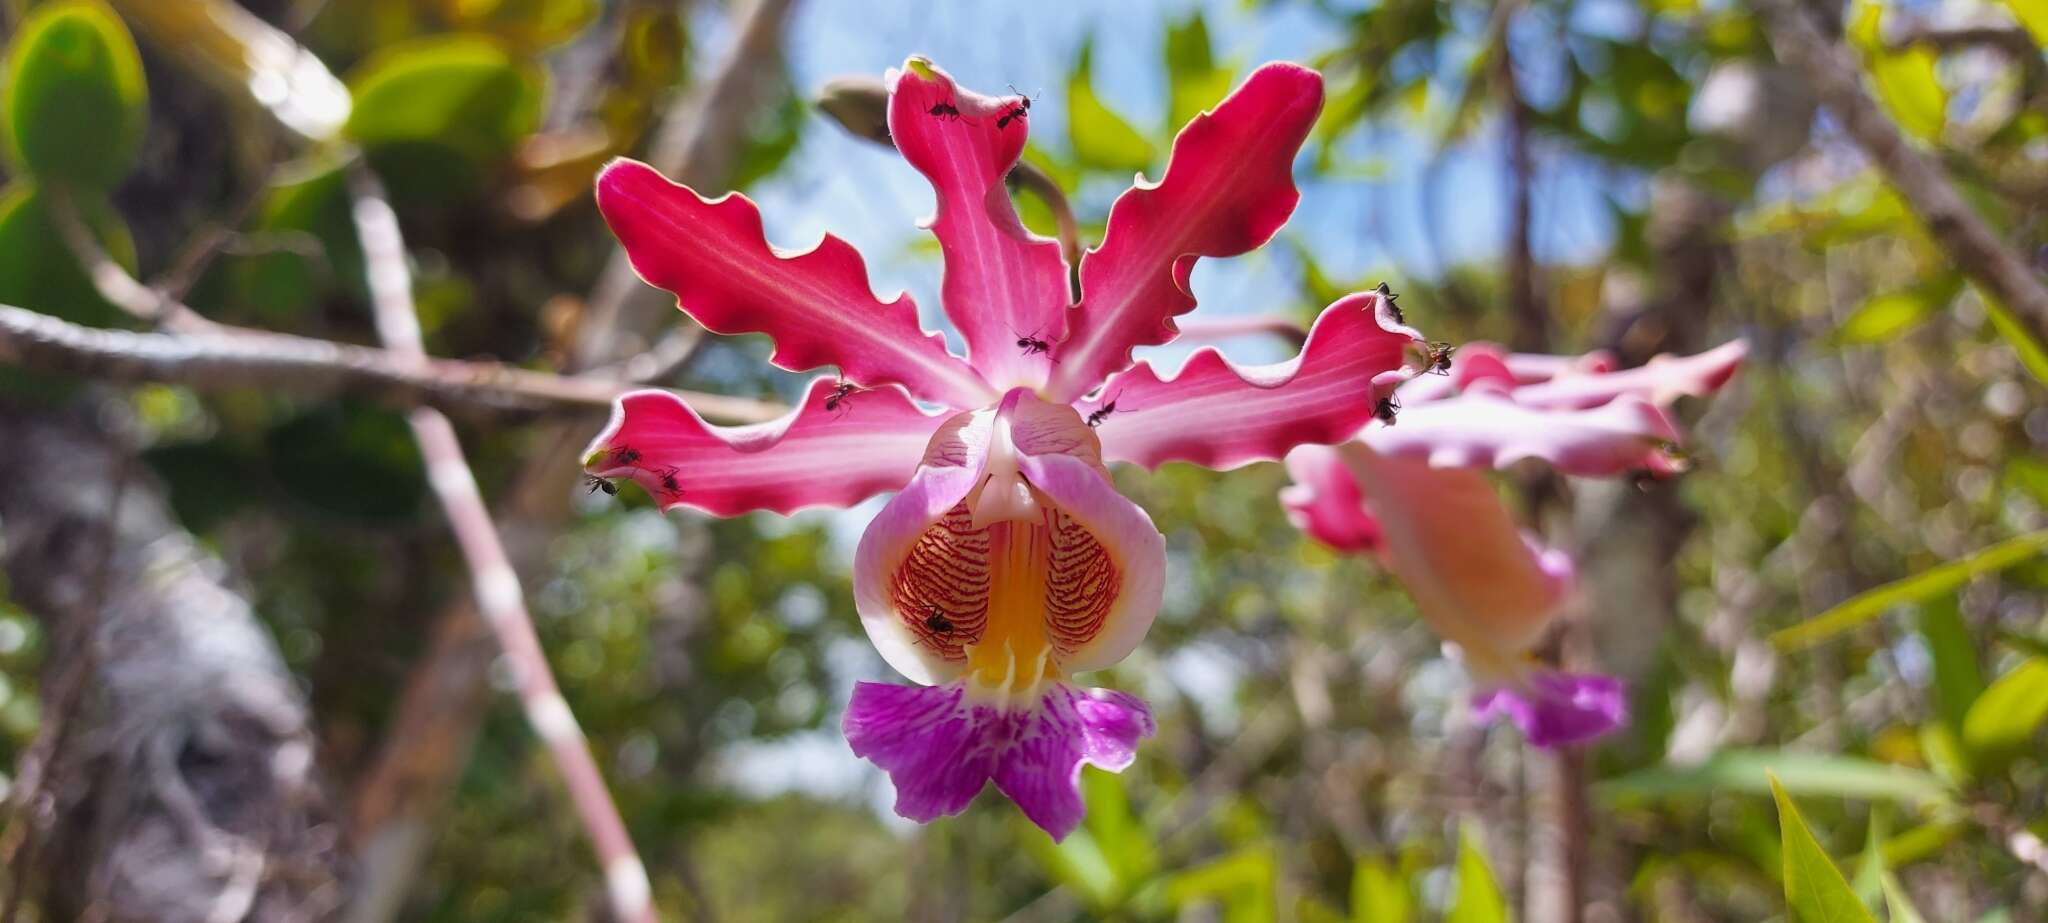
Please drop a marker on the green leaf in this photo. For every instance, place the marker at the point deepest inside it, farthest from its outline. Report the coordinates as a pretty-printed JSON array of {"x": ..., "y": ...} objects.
[
  {"x": 1379, "y": 894},
  {"x": 2011, "y": 709},
  {"x": 1917, "y": 588},
  {"x": 75, "y": 103},
  {"x": 532, "y": 24},
  {"x": 1906, "y": 81},
  {"x": 1101, "y": 138},
  {"x": 1957, "y": 677},
  {"x": 1749, "y": 771},
  {"x": 2032, "y": 14},
  {"x": 2037, "y": 647},
  {"x": 2033, "y": 353},
  {"x": 1242, "y": 882},
  {"x": 1886, "y": 316},
  {"x": 37, "y": 270},
  {"x": 1814, "y": 888},
  {"x": 1478, "y": 898},
  {"x": 1195, "y": 81},
  {"x": 2029, "y": 475},
  {"x": 438, "y": 112},
  {"x": 1897, "y": 904}
]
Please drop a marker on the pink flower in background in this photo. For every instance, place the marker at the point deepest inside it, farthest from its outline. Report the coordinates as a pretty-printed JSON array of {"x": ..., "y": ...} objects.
[
  {"x": 1413, "y": 493},
  {"x": 1007, "y": 561}
]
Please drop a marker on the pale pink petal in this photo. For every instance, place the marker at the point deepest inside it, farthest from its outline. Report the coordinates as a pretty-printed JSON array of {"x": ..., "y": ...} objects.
[
  {"x": 1489, "y": 428},
  {"x": 941, "y": 744},
  {"x": 1229, "y": 185},
  {"x": 1325, "y": 502},
  {"x": 816, "y": 305},
  {"x": 1459, "y": 553},
  {"x": 1660, "y": 381},
  {"x": 1556, "y": 709},
  {"x": 1002, "y": 283},
  {"x": 812, "y": 456},
  {"x": 1218, "y": 415}
]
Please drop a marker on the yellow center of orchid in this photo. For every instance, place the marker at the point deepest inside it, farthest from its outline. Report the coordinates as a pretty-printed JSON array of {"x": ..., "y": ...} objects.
[{"x": 1014, "y": 653}]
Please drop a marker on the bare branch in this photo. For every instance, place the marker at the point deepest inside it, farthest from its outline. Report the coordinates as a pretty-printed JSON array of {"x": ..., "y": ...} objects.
[
  {"x": 305, "y": 365},
  {"x": 1920, "y": 180},
  {"x": 499, "y": 597}
]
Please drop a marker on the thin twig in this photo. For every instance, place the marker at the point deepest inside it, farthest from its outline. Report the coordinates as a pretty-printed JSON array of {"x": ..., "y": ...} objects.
[
  {"x": 307, "y": 365},
  {"x": 498, "y": 594},
  {"x": 1919, "y": 179}
]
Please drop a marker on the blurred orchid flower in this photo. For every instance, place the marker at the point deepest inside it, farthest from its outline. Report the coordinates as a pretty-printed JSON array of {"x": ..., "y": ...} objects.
[
  {"x": 1007, "y": 561},
  {"x": 1412, "y": 492}
]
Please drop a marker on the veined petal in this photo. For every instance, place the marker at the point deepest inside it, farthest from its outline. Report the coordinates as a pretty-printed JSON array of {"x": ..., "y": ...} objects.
[
  {"x": 1490, "y": 428},
  {"x": 1229, "y": 185},
  {"x": 1218, "y": 415},
  {"x": 1002, "y": 283},
  {"x": 942, "y": 744},
  {"x": 1325, "y": 502},
  {"x": 865, "y": 443},
  {"x": 817, "y": 305},
  {"x": 1010, "y": 558},
  {"x": 1556, "y": 709},
  {"x": 1454, "y": 546}
]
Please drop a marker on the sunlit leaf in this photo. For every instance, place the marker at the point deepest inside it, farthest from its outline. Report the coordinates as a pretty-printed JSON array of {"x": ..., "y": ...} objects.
[
  {"x": 1814, "y": 888},
  {"x": 239, "y": 51},
  {"x": 37, "y": 270},
  {"x": 1101, "y": 138},
  {"x": 2032, "y": 352},
  {"x": 1957, "y": 678},
  {"x": 1477, "y": 898},
  {"x": 1193, "y": 79},
  {"x": 1897, "y": 904},
  {"x": 2032, "y": 14},
  {"x": 1241, "y": 882},
  {"x": 1905, "y": 77},
  {"x": 1917, "y": 588},
  {"x": 74, "y": 104},
  {"x": 1886, "y": 316},
  {"x": 531, "y": 24},
  {"x": 438, "y": 112},
  {"x": 2009, "y": 712},
  {"x": 1748, "y": 771},
  {"x": 1379, "y": 894}
]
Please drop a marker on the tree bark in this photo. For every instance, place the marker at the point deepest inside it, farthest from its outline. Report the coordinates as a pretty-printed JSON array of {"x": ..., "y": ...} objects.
[{"x": 181, "y": 783}]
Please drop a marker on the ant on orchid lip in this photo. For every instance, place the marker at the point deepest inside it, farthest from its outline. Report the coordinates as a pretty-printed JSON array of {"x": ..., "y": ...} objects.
[
  {"x": 936, "y": 622},
  {"x": 1385, "y": 409},
  {"x": 1016, "y": 111}
]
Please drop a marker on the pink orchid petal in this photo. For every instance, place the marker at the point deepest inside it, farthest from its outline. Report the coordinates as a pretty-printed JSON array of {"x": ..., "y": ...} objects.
[
  {"x": 1325, "y": 502},
  {"x": 1218, "y": 415},
  {"x": 1229, "y": 186},
  {"x": 1458, "y": 551},
  {"x": 816, "y": 305},
  {"x": 941, "y": 745},
  {"x": 1002, "y": 283},
  {"x": 1133, "y": 555},
  {"x": 1660, "y": 381},
  {"x": 1488, "y": 428},
  {"x": 1556, "y": 709},
  {"x": 810, "y": 457}
]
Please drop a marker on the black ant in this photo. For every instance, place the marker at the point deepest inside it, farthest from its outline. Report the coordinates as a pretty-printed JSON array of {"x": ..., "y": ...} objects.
[
  {"x": 625, "y": 455},
  {"x": 841, "y": 399},
  {"x": 936, "y": 622},
  {"x": 1032, "y": 345},
  {"x": 668, "y": 481},
  {"x": 1440, "y": 358},
  {"x": 1387, "y": 293},
  {"x": 1015, "y": 112},
  {"x": 1099, "y": 414},
  {"x": 945, "y": 111},
  {"x": 595, "y": 484},
  {"x": 1385, "y": 409}
]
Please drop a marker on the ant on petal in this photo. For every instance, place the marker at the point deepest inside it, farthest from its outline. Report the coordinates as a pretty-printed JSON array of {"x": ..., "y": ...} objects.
[
  {"x": 1387, "y": 293},
  {"x": 1439, "y": 358},
  {"x": 841, "y": 399},
  {"x": 669, "y": 485},
  {"x": 937, "y": 623},
  {"x": 946, "y": 111},
  {"x": 625, "y": 455},
  {"x": 1032, "y": 345},
  {"x": 1099, "y": 414},
  {"x": 1016, "y": 111},
  {"x": 1385, "y": 409},
  {"x": 595, "y": 484}
]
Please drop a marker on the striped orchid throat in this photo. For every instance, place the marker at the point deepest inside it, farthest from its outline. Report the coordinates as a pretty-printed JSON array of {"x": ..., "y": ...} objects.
[{"x": 1006, "y": 562}]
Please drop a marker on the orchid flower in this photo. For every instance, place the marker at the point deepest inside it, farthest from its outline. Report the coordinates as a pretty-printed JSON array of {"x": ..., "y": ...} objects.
[
  {"x": 1412, "y": 492},
  {"x": 1007, "y": 561}
]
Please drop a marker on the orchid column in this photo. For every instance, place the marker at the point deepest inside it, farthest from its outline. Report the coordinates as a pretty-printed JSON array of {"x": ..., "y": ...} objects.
[{"x": 1007, "y": 562}]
